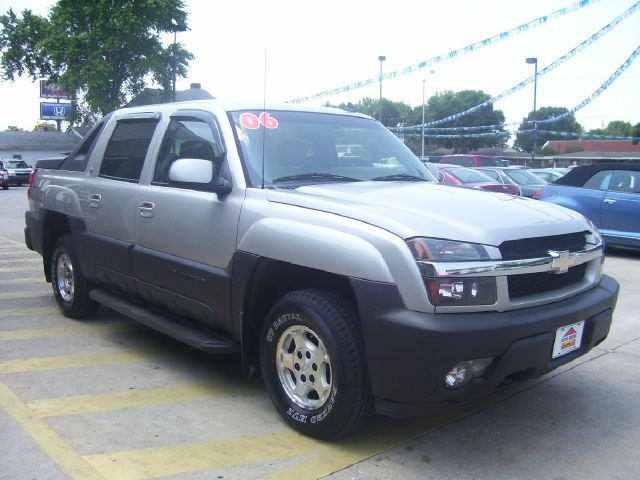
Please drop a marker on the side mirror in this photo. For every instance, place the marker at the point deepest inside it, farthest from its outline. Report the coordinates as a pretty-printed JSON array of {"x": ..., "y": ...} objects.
[{"x": 197, "y": 174}]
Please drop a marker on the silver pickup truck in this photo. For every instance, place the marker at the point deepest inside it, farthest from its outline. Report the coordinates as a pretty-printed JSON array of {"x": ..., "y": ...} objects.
[{"x": 315, "y": 244}]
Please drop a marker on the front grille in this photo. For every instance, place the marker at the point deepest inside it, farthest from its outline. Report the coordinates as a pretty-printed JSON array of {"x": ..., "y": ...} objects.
[
  {"x": 538, "y": 247},
  {"x": 532, "y": 283}
]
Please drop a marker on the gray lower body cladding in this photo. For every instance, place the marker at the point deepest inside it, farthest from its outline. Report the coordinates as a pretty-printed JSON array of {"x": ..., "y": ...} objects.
[{"x": 410, "y": 353}]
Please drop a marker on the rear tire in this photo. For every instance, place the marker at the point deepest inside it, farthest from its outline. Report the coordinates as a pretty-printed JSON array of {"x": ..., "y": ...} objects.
[
  {"x": 313, "y": 363},
  {"x": 70, "y": 287}
]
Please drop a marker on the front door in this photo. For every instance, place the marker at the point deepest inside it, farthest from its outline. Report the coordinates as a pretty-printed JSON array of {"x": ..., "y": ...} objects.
[{"x": 185, "y": 237}]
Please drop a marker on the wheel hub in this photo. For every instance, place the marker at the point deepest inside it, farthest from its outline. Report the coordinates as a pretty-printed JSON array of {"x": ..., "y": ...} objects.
[
  {"x": 64, "y": 276},
  {"x": 304, "y": 367}
]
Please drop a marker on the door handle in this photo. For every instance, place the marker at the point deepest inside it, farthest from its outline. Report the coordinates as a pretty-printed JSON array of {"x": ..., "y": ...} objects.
[
  {"x": 146, "y": 209},
  {"x": 94, "y": 200},
  {"x": 610, "y": 201}
]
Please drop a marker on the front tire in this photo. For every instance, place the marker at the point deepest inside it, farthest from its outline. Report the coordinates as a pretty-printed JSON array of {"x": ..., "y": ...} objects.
[
  {"x": 70, "y": 287},
  {"x": 313, "y": 364}
]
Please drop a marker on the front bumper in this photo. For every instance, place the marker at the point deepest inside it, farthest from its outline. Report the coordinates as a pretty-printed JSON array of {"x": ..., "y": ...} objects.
[{"x": 409, "y": 353}]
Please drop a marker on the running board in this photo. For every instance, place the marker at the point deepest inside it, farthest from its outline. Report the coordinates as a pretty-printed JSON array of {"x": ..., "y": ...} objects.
[{"x": 200, "y": 339}]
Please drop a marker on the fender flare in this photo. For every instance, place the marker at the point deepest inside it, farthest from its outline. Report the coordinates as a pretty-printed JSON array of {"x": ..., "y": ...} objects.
[{"x": 320, "y": 248}]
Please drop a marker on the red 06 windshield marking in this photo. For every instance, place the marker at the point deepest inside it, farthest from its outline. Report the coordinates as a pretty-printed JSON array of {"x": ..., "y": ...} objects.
[{"x": 253, "y": 122}]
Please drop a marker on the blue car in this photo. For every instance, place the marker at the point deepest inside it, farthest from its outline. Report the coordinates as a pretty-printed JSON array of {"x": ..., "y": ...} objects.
[{"x": 607, "y": 194}]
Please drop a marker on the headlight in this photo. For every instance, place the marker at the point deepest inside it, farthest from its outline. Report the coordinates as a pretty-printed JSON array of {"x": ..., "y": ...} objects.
[
  {"x": 452, "y": 291},
  {"x": 594, "y": 237},
  {"x": 438, "y": 250}
]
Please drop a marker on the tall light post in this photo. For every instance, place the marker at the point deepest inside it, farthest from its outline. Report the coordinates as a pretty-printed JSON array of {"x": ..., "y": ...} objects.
[
  {"x": 424, "y": 82},
  {"x": 534, "y": 61},
  {"x": 381, "y": 58},
  {"x": 173, "y": 59}
]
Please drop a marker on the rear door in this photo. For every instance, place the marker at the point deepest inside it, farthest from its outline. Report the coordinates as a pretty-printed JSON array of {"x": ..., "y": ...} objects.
[
  {"x": 111, "y": 198},
  {"x": 620, "y": 211}
]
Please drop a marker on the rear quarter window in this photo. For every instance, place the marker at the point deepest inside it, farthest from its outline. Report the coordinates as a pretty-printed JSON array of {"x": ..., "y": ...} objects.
[{"x": 599, "y": 181}]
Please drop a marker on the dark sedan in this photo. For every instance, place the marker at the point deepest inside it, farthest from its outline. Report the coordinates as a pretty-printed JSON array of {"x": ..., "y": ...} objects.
[{"x": 607, "y": 194}]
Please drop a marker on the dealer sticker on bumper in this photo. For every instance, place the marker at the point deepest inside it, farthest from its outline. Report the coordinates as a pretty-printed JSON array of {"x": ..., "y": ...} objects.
[{"x": 568, "y": 339}]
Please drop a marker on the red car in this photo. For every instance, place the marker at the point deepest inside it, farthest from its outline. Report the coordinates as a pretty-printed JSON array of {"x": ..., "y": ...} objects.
[
  {"x": 4, "y": 179},
  {"x": 469, "y": 178}
]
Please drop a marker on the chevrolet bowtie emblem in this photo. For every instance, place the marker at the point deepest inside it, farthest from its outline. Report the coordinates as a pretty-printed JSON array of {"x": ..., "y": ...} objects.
[{"x": 561, "y": 261}]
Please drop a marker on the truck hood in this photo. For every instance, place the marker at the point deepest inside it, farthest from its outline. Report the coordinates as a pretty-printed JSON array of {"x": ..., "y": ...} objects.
[{"x": 426, "y": 209}]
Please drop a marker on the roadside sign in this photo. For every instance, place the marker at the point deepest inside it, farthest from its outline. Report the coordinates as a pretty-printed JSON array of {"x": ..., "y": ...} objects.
[
  {"x": 51, "y": 90},
  {"x": 54, "y": 111}
]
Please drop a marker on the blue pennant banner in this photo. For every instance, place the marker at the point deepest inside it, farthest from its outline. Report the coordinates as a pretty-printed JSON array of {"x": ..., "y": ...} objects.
[{"x": 453, "y": 54}]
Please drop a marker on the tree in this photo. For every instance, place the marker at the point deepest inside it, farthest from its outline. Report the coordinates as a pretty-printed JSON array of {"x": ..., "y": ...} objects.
[
  {"x": 636, "y": 133},
  {"x": 617, "y": 128},
  {"x": 13, "y": 128},
  {"x": 99, "y": 52},
  {"x": 447, "y": 103},
  {"x": 524, "y": 140}
]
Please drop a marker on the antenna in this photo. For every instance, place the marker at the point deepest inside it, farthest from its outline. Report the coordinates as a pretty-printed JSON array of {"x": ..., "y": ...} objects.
[{"x": 264, "y": 109}]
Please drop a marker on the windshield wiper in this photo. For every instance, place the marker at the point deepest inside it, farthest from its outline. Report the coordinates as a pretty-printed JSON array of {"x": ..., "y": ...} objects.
[
  {"x": 399, "y": 176},
  {"x": 315, "y": 176}
]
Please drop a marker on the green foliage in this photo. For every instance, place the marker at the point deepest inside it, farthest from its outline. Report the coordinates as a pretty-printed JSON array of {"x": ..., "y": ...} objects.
[
  {"x": 636, "y": 133},
  {"x": 99, "y": 51},
  {"x": 447, "y": 103},
  {"x": 13, "y": 128},
  {"x": 618, "y": 128},
  {"x": 524, "y": 141}
]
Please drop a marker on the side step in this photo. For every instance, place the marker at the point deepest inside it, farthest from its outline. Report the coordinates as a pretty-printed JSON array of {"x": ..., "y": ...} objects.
[{"x": 200, "y": 339}]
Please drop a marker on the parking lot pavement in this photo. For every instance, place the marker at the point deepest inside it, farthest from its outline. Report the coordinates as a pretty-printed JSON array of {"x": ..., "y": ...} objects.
[{"x": 109, "y": 399}]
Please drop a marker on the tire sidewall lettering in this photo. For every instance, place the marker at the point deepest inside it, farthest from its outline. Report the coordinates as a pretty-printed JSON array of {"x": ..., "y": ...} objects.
[
  {"x": 318, "y": 417},
  {"x": 283, "y": 319}
]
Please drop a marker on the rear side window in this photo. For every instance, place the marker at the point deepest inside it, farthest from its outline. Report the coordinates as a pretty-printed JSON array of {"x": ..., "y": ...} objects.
[
  {"x": 599, "y": 181},
  {"x": 77, "y": 161},
  {"x": 127, "y": 149}
]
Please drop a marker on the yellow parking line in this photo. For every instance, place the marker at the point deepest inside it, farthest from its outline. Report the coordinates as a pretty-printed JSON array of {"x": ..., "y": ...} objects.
[
  {"x": 180, "y": 459},
  {"x": 71, "y": 361},
  {"x": 51, "y": 443},
  {"x": 25, "y": 280},
  {"x": 130, "y": 399},
  {"x": 22, "y": 259},
  {"x": 20, "y": 269},
  {"x": 41, "y": 293},
  {"x": 31, "y": 333},
  {"x": 22, "y": 312}
]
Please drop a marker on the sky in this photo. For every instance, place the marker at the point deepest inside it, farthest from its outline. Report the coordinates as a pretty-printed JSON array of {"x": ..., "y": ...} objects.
[{"x": 313, "y": 46}]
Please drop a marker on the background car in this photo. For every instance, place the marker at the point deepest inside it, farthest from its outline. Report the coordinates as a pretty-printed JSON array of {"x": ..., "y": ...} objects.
[
  {"x": 19, "y": 171},
  {"x": 607, "y": 194},
  {"x": 474, "y": 160},
  {"x": 549, "y": 174},
  {"x": 4, "y": 179},
  {"x": 469, "y": 178},
  {"x": 530, "y": 185}
]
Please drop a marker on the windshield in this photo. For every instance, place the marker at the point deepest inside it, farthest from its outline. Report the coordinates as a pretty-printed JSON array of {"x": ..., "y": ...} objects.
[
  {"x": 305, "y": 147},
  {"x": 15, "y": 164},
  {"x": 466, "y": 175},
  {"x": 522, "y": 177}
]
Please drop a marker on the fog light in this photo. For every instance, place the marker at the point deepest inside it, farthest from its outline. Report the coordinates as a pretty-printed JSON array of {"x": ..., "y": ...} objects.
[{"x": 463, "y": 372}]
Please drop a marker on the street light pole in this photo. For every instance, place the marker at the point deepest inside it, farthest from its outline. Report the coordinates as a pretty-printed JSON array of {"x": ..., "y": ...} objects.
[
  {"x": 173, "y": 87},
  {"x": 534, "y": 61},
  {"x": 381, "y": 58},
  {"x": 424, "y": 81}
]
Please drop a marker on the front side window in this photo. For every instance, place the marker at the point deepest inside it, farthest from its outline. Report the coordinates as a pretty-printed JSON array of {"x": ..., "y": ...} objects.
[
  {"x": 127, "y": 149},
  {"x": 187, "y": 138},
  {"x": 295, "y": 148},
  {"x": 626, "y": 181}
]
